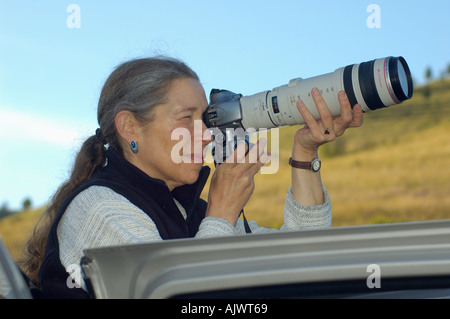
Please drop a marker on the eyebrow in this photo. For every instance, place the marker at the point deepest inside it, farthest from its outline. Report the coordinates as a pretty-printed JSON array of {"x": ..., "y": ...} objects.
[{"x": 191, "y": 109}]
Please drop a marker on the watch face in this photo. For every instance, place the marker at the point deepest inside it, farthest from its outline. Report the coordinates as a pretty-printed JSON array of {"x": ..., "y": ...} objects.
[{"x": 315, "y": 165}]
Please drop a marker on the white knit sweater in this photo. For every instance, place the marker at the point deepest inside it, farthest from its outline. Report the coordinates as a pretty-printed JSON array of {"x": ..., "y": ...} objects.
[{"x": 99, "y": 217}]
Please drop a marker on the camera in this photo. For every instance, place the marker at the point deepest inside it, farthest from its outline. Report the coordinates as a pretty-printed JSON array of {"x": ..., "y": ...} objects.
[{"x": 374, "y": 84}]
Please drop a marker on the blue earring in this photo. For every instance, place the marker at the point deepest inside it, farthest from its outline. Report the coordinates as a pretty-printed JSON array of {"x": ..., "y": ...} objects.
[{"x": 134, "y": 147}]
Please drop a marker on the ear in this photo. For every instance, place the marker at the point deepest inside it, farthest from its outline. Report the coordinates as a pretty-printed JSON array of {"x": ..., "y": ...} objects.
[{"x": 126, "y": 126}]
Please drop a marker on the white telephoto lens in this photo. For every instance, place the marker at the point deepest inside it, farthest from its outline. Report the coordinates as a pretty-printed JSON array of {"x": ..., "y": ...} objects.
[{"x": 374, "y": 84}]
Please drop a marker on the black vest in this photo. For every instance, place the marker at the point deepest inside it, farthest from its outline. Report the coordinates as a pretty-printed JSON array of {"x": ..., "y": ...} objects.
[{"x": 149, "y": 194}]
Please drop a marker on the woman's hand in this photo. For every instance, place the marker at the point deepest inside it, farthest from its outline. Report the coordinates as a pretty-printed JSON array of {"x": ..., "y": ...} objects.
[
  {"x": 306, "y": 185},
  {"x": 318, "y": 132},
  {"x": 232, "y": 184}
]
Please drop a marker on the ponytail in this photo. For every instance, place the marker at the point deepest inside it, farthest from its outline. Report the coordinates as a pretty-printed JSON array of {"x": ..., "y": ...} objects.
[{"x": 91, "y": 157}]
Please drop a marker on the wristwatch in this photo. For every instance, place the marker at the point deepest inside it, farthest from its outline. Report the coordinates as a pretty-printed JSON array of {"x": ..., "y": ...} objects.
[{"x": 314, "y": 165}]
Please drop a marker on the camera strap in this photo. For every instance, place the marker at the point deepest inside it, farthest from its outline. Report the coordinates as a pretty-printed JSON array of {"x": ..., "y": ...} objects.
[{"x": 246, "y": 226}]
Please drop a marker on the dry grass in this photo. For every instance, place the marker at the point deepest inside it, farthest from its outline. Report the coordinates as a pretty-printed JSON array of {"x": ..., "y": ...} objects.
[
  {"x": 405, "y": 181},
  {"x": 16, "y": 229}
]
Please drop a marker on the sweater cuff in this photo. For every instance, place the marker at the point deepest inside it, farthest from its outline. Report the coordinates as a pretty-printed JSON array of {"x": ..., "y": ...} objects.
[
  {"x": 298, "y": 216},
  {"x": 214, "y": 227}
]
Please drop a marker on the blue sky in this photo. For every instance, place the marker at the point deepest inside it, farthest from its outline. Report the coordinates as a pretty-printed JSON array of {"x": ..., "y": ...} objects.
[{"x": 51, "y": 75}]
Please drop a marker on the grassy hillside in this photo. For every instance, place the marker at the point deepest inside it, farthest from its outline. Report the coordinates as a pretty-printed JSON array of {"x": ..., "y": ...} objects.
[
  {"x": 396, "y": 167},
  {"x": 15, "y": 229}
]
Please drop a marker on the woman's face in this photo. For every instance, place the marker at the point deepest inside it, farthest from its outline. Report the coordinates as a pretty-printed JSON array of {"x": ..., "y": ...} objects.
[{"x": 171, "y": 146}]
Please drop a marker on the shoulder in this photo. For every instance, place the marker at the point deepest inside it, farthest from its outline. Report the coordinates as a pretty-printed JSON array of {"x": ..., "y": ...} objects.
[
  {"x": 99, "y": 215},
  {"x": 94, "y": 196}
]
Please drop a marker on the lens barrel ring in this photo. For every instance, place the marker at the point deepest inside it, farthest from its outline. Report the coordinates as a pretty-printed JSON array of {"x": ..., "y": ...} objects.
[
  {"x": 368, "y": 85},
  {"x": 348, "y": 85},
  {"x": 395, "y": 80}
]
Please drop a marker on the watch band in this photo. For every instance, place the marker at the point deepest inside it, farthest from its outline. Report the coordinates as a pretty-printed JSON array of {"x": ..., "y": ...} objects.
[
  {"x": 299, "y": 164},
  {"x": 314, "y": 165}
]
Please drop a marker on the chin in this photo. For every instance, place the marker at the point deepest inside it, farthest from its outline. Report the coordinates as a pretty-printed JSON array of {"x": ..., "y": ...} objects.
[{"x": 190, "y": 173}]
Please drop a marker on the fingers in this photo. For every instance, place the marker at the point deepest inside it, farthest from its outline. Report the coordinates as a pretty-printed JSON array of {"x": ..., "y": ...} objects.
[
  {"x": 248, "y": 162},
  {"x": 323, "y": 130},
  {"x": 318, "y": 132},
  {"x": 239, "y": 154},
  {"x": 324, "y": 112},
  {"x": 259, "y": 157},
  {"x": 255, "y": 152},
  {"x": 343, "y": 121},
  {"x": 357, "y": 116},
  {"x": 327, "y": 124},
  {"x": 256, "y": 157},
  {"x": 233, "y": 182}
]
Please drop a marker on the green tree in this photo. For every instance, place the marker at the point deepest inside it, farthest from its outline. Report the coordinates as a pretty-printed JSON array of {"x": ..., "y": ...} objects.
[
  {"x": 26, "y": 204},
  {"x": 427, "y": 88},
  {"x": 428, "y": 74},
  {"x": 5, "y": 211}
]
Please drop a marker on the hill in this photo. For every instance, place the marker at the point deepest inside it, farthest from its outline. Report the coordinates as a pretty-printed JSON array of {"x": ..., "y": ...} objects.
[
  {"x": 396, "y": 167},
  {"x": 16, "y": 228}
]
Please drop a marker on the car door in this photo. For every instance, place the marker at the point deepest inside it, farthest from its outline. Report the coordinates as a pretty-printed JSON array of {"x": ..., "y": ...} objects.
[{"x": 12, "y": 282}]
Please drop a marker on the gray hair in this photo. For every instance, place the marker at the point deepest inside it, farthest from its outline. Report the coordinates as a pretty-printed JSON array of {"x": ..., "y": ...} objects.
[{"x": 137, "y": 86}]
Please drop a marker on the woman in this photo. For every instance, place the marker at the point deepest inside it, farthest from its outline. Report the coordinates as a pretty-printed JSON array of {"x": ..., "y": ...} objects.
[{"x": 125, "y": 187}]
